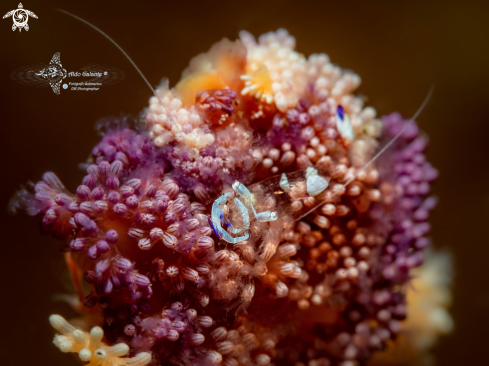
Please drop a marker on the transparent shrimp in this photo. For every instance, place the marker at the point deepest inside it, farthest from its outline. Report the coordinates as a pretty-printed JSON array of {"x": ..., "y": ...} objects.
[{"x": 275, "y": 192}]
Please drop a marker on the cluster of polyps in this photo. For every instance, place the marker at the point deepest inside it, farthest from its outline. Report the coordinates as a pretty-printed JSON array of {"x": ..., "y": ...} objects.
[
  {"x": 174, "y": 323},
  {"x": 90, "y": 347},
  {"x": 275, "y": 72},
  {"x": 244, "y": 226}
]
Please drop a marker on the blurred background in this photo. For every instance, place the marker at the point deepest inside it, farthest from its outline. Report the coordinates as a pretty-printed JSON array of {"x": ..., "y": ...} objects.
[{"x": 398, "y": 48}]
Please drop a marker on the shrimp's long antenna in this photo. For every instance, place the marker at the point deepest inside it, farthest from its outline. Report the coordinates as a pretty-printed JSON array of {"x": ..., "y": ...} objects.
[
  {"x": 420, "y": 109},
  {"x": 203, "y": 205},
  {"x": 125, "y": 54}
]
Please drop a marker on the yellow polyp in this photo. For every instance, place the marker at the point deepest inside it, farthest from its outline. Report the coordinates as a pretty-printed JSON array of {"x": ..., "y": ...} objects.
[
  {"x": 229, "y": 59},
  {"x": 259, "y": 85},
  {"x": 428, "y": 298},
  {"x": 188, "y": 87},
  {"x": 220, "y": 68},
  {"x": 90, "y": 348}
]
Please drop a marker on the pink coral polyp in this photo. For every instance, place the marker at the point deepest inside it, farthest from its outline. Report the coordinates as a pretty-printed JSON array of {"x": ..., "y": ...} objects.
[{"x": 319, "y": 283}]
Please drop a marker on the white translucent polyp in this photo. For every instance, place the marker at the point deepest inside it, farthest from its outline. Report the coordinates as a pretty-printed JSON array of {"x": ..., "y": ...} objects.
[
  {"x": 140, "y": 359},
  {"x": 85, "y": 355},
  {"x": 96, "y": 334},
  {"x": 65, "y": 346},
  {"x": 119, "y": 349},
  {"x": 78, "y": 336},
  {"x": 60, "y": 324},
  {"x": 90, "y": 348}
]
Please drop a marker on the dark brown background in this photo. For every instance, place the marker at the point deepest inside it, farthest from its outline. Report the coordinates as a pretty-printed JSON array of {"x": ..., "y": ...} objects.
[{"x": 399, "y": 48}]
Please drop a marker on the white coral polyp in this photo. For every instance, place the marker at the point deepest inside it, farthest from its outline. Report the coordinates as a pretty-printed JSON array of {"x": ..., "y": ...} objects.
[
  {"x": 286, "y": 67},
  {"x": 198, "y": 139},
  {"x": 334, "y": 86},
  {"x": 170, "y": 121}
]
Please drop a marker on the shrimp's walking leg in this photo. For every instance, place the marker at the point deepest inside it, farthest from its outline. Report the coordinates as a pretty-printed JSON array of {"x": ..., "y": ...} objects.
[{"x": 266, "y": 216}]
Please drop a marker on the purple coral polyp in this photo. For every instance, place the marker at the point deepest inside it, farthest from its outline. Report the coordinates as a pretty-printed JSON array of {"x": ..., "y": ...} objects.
[{"x": 322, "y": 288}]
